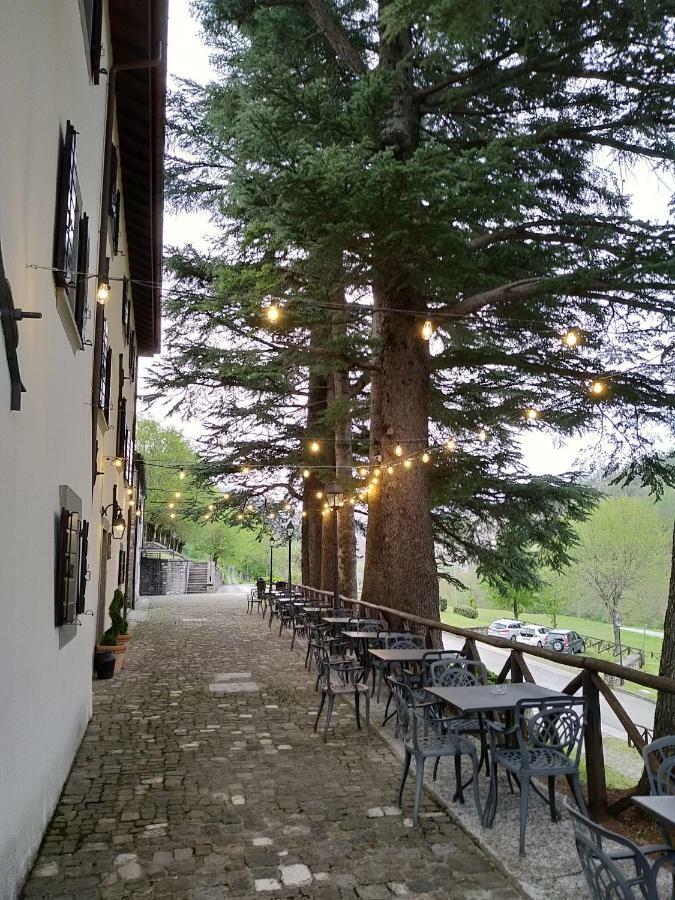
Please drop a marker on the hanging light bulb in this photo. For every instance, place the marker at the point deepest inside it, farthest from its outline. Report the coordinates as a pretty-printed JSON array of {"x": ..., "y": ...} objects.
[
  {"x": 138, "y": 513},
  {"x": 211, "y": 507},
  {"x": 428, "y": 330},
  {"x": 306, "y": 473},
  {"x": 132, "y": 502},
  {"x": 226, "y": 496},
  {"x": 130, "y": 492},
  {"x": 377, "y": 472},
  {"x": 270, "y": 515},
  {"x": 273, "y": 313},
  {"x": 425, "y": 457},
  {"x": 319, "y": 495},
  {"x": 304, "y": 514},
  {"x": 172, "y": 505},
  {"x": 178, "y": 495},
  {"x": 531, "y": 414},
  {"x": 597, "y": 388},
  {"x": 571, "y": 338},
  {"x": 363, "y": 471},
  {"x": 450, "y": 445},
  {"x": 239, "y": 517},
  {"x": 314, "y": 446},
  {"x": 103, "y": 292},
  {"x": 119, "y": 463},
  {"x": 181, "y": 474},
  {"x": 390, "y": 470},
  {"x": 172, "y": 516},
  {"x": 245, "y": 470},
  {"x": 206, "y": 516},
  {"x": 407, "y": 464},
  {"x": 482, "y": 435},
  {"x": 398, "y": 450}
]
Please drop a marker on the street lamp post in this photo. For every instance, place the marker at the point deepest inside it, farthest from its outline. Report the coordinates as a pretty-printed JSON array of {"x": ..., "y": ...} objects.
[
  {"x": 334, "y": 499},
  {"x": 289, "y": 531},
  {"x": 271, "y": 560}
]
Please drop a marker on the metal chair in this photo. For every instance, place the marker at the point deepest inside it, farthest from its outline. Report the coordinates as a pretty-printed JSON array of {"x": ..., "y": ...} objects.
[
  {"x": 548, "y": 737},
  {"x": 348, "y": 685},
  {"x": 614, "y": 867},
  {"x": 396, "y": 640},
  {"x": 659, "y": 757},
  {"x": 435, "y": 745}
]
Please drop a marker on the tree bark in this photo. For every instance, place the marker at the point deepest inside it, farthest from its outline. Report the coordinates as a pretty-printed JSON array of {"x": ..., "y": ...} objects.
[
  {"x": 312, "y": 527},
  {"x": 344, "y": 462},
  {"x": 664, "y": 715},
  {"x": 328, "y": 460}
]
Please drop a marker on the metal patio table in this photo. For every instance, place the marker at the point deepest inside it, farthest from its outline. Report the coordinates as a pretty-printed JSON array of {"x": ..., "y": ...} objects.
[{"x": 661, "y": 808}]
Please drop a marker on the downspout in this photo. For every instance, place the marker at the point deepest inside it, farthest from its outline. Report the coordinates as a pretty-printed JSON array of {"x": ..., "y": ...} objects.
[{"x": 103, "y": 229}]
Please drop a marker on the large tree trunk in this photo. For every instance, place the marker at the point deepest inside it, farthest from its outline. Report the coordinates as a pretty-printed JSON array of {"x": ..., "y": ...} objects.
[
  {"x": 400, "y": 534},
  {"x": 664, "y": 715},
  {"x": 312, "y": 527},
  {"x": 344, "y": 462},
  {"x": 327, "y": 548}
]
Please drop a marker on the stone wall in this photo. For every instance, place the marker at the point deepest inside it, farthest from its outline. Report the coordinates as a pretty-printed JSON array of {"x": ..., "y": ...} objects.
[{"x": 164, "y": 576}]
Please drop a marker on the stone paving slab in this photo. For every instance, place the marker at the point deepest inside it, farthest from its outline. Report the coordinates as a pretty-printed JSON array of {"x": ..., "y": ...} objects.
[{"x": 182, "y": 793}]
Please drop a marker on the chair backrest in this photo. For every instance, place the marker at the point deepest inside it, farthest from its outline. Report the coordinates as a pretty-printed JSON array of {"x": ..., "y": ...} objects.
[
  {"x": 454, "y": 672},
  {"x": 368, "y": 625},
  {"x": 604, "y": 874},
  {"x": 554, "y": 724},
  {"x": 404, "y": 703},
  {"x": 403, "y": 641},
  {"x": 260, "y": 586},
  {"x": 659, "y": 757}
]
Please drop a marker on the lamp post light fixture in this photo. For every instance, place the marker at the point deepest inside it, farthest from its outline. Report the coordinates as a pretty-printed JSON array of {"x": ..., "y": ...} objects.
[
  {"x": 334, "y": 501},
  {"x": 119, "y": 525},
  {"x": 290, "y": 530}
]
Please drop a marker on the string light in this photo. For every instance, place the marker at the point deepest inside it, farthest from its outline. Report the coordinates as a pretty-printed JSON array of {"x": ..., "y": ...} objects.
[
  {"x": 172, "y": 516},
  {"x": 450, "y": 445},
  {"x": 181, "y": 474},
  {"x": 571, "y": 338},
  {"x": 304, "y": 514},
  {"x": 531, "y": 414},
  {"x": 314, "y": 446},
  {"x": 306, "y": 473},
  {"x": 131, "y": 502},
  {"x": 130, "y": 492},
  {"x": 398, "y": 450},
  {"x": 390, "y": 470},
  {"x": 407, "y": 463},
  {"x": 103, "y": 293},
  {"x": 425, "y": 457},
  {"x": 377, "y": 472},
  {"x": 211, "y": 507},
  {"x": 272, "y": 312},
  {"x": 363, "y": 471},
  {"x": 138, "y": 513},
  {"x": 226, "y": 496},
  {"x": 427, "y": 330},
  {"x": 287, "y": 506},
  {"x": 597, "y": 388},
  {"x": 171, "y": 505},
  {"x": 119, "y": 463},
  {"x": 245, "y": 470},
  {"x": 319, "y": 495},
  {"x": 270, "y": 515},
  {"x": 239, "y": 517},
  {"x": 482, "y": 435},
  {"x": 178, "y": 495}
]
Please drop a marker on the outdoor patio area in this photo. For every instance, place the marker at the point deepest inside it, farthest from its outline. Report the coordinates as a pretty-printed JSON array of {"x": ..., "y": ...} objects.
[{"x": 200, "y": 777}]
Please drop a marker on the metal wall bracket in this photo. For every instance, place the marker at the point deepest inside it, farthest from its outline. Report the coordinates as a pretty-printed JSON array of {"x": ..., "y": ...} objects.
[{"x": 9, "y": 318}]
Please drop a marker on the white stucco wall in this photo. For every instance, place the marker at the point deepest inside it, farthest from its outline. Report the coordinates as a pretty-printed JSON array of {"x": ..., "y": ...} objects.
[{"x": 45, "y": 688}]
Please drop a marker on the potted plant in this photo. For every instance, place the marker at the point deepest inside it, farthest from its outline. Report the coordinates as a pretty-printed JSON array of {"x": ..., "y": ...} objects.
[
  {"x": 104, "y": 659},
  {"x": 119, "y": 621},
  {"x": 109, "y": 641}
]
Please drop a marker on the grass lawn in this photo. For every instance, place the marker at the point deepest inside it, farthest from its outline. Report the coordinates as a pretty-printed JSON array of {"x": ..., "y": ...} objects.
[{"x": 590, "y": 627}]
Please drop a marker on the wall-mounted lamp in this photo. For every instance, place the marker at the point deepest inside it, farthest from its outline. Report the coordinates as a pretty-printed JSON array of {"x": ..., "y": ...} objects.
[{"x": 119, "y": 525}]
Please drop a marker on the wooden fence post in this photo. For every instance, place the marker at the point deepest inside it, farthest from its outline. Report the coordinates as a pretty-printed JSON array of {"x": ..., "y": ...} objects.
[
  {"x": 595, "y": 757},
  {"x": 516, "y": 672}
]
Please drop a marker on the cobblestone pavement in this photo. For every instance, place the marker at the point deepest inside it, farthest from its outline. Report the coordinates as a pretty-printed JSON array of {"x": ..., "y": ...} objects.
[{"x": 200, "y": 778}]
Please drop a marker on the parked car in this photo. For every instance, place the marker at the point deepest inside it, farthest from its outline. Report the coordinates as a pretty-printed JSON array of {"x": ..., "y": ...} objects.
[
  {"x": 509, "y": 629},
  {"x": 534, "y": 635},
  {"x": 565, "y": 641}
]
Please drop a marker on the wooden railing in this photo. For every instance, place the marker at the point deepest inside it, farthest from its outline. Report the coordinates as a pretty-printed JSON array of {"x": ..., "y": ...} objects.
[{"x": 588, "y": 679}]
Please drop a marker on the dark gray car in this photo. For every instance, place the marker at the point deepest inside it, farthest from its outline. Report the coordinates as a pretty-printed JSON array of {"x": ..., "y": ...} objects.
[{"x": 564, "y": 641}]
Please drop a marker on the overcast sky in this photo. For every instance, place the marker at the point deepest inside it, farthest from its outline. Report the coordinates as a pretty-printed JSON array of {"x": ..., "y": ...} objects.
[{"x": 188, "y": 58}]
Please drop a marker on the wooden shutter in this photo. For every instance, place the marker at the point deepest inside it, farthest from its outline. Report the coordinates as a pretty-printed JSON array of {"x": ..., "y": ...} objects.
[
  {"x": 121, "y": 428},
  {"x": 108, "y": 373},
  {"x": 125, "y": 309},
  {"x": 84, "y": 550},
  {"x": 95, "y": 39},
  {"x": 103, "y": 379},
  {"x": 67, "y": 567},
  {"x": 83, "y": 274}
]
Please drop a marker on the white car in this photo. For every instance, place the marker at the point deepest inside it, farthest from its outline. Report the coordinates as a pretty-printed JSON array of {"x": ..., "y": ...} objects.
[
  {"x": 509, "y": 629},
  {"x": 534, "y": 635}
]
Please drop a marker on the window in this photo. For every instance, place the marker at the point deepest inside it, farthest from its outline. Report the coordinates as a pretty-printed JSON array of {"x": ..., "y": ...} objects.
[
  {"x": 80, "y": 310},
  {"x": 105, "y": 373},
  {"x": 129, "y": 457},
  {"x": 68, "y": 215},
  {"x": 121, "y": 428},
  {"x": 132, "y": 356},
  {"x": 91, "y": 13},
  {"x": 67, "y": 567},
  {"x": 125, "y": 309},
  {"x": 84, "y": 550}
]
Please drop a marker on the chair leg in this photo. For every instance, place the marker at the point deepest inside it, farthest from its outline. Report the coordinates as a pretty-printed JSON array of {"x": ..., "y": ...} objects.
[
  {"x": 331, "y": 701},
  {"x": 406, "y": 769},
  {"x": 578, "y": 794},
  {"x": 438, "y": 759},
  {"x": 491, "y": 803},
  {"x": 551, "y": 797},
  {"x": 458, "y": 777},
  {"x": 357, "y": 709},
  {"x": 524, "y": 799},
  {"x": 308, "y": 661},
  {"x": 318, "y": 715},
  {"x": 476, "y": 789},
  {"x": 419, "y": 781},
  {"x": 367, "y": 712}
]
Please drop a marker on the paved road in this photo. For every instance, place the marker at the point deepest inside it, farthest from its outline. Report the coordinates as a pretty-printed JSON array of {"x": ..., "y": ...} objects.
[{"x": 641, "y": 711}]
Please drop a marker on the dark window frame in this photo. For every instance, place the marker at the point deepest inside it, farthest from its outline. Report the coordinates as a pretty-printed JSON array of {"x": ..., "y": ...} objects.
[
  {"x": 91, "y": 15},
  {"x": 68, "y": 567}
]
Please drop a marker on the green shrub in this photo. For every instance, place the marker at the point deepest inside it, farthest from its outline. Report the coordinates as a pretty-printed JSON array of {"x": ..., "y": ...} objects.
[
  {"x": 465, "y": 611},
  {"x": 117, "y": 622},
  {"x": 444, "y": 604},
  {"x": 109, "y": 639}
]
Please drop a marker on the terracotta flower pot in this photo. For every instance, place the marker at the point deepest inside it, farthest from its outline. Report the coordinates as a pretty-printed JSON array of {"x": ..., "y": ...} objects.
[
  {"x": 123, "y": 638},
  {"x": 118, "y": 649}
]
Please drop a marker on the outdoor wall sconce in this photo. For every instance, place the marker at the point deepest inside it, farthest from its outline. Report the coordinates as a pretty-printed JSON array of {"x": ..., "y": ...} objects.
[
  {"x": 10, "y": 317},
  {"x": 119, "y": 525}
]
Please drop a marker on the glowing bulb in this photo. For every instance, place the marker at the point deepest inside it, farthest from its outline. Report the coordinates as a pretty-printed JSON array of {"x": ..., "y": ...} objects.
[
  {"x": 390, "y": 470},
  {"x": 319, "y": 495},
  {"x": 306, "y": 473},
  {"x": 138, "y": 513},
  {"x": 450, "y": 445},
  {"x": 407, "y": 464},
  {"x": 245, "y": 470},
  {"x": 531, "y": 414},
  {"x": 130, "y": 492},
  {"x": 171, "y": 505},
  {"x": 226, "y": 496},
  {"x": 239, "y": 517},
  {"x": 211, "y": 507},
  {"x": 314, "y": 446},
  {"x": 304, "y": 514},
  {"x": 181, "y": 474},
  {"x": 119, "y": 463},
  {"x": 425, "y": 457},
  {"x": 377, "y": 472},
  {"x": 363, "y": 471},
  {"x": 206, "y": 515},
  {"x": 324, "y": 512},
  {"x": 272, "y": 313},
  {"x": 172, "y": 516},
  {"x": 178, "y": 495},
  {"x": 427, "y": 330},
  {"x": 570, "y": 338},
  {"x": 597, "y": 388},
  {"x": 131, "y": 502},
  {"x": 398, "y": 450},
  {"x": 103, "y": 292},
  {"x": 270, "y": 516},
  {"x": 482, "y": 435},
  {"x": 287, "y": 506}
]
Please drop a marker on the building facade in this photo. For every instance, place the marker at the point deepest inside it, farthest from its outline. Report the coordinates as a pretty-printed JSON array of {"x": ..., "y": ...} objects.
[{"x": 82, "y": 102}]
